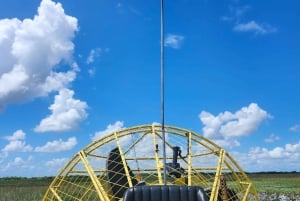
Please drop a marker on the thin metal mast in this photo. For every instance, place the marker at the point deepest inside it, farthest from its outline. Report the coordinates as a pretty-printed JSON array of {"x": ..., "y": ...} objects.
[{"x": 162, "y": 87}]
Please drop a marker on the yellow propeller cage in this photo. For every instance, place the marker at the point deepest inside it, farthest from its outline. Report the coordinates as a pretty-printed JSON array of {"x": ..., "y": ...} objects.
[{"x": 202, "y": 163}]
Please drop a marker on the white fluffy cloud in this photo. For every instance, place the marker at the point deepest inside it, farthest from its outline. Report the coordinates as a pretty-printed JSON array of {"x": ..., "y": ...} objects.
[
  {"x": 18, "y": 135},
  {"x": 295, "y": 128},
  {"x": 56, "y": 162},
  {"x": 255, "y": 27},
  {"x": 289, "y": 151},
  {"x": 272, "y": 138},
  {"x": 280, "y": 158},
  {"x": 58, "y": 145},
  {"x": 19, "y": 164},
  {"x": 31, "y": 49},
  {"x": 93, "y": 56},
  {"x": 239, "y": 25},
  {"x": 174, "y": 41},
  {"x": 226, "y": 127},
  {"x": 67, "y": 112},
  {"x": 16, "y": 143},
  {"x": 17, "y": 146},
  {"x": 109, "y": 129},
  {"x": 275, "y": 158},
  {"x": 94, "y": 53}
]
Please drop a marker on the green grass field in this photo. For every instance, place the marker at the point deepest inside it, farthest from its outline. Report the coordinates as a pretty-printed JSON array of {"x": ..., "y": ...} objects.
[
  {"x": 283, "y": 182},
  {"x": 33, "y": 189},
  {"x": 23, "y": 189}
]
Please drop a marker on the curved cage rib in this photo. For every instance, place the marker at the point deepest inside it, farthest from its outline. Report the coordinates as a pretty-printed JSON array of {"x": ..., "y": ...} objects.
[{"x": 104, "y": 169}]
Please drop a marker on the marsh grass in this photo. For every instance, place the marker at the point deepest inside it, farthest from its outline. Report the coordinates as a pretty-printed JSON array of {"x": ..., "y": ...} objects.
[
  {"x": 268, "y": 185},
  {"x": 34, "y": 193},
  {"x": 23, "y": 189},
  {"x": 276, "y": 182}
]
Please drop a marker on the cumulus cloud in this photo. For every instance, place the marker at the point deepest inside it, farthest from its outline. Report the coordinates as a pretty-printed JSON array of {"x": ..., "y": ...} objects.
[
  {"x": 237, "y": 18},
  {"x": 58, "y": 145},
  {"x": 67, "y": 112},
  {"x": 281, "y": 158},
  {"x": 93, "y": 56},
  {"x": 56, "y": 162},
  {"x": 109, "y": 129},
  {"x": 17, "y": 146},
  {"x": 174, "y": 41},
  {"x": 18, "y": 135},
  {"x": 94, "y": 53},
  {"x": 295, "y": 128},
  {"x": 272, "y": 138},
  {"x": 16, "y": 143},
  {"x": 226, "y": 127},
  {"x": 255, "y": 27},
  {"x": 31, "y": 51},
  {"x": 288, "y": 154},
  {"x": 18, "y": 161},
  {"x": 18, "y": 164}
]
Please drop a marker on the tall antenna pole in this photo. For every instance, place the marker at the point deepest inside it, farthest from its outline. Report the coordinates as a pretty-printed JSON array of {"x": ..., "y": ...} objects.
[{"x": 162, "y": 87}]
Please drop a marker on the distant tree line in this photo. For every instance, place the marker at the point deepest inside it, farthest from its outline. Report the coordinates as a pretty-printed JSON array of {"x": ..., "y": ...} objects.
[{"x": 25, "y": 181}]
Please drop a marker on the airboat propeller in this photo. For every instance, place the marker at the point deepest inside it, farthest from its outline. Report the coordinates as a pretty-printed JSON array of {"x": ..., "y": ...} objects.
[{"x": 128, "y": 165}]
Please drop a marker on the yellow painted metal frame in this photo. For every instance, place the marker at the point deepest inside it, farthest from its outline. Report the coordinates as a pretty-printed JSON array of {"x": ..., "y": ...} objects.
[
  {"x": 55, "y": 194},
  {"x": 97, "y": 184},
  {"x": 189, "y": 135},
  {"x": 123, "y": 160},
  {"x": 158, "y": 162},
  {"x": 214, "y": 191},
  {"x": 80, "y": 168}
]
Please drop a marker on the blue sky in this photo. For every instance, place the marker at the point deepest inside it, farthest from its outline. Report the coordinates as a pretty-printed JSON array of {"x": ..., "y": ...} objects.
[{"x": 71, "y": 71}]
